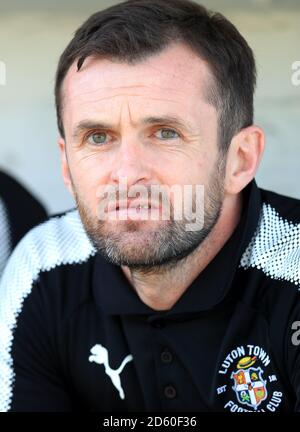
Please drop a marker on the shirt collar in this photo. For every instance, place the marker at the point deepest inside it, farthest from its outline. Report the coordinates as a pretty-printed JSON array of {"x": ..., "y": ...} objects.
[{"x": 115, "y": 296}]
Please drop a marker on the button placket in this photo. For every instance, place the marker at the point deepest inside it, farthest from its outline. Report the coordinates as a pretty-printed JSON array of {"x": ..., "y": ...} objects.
[{"x": 166, "y": 358}]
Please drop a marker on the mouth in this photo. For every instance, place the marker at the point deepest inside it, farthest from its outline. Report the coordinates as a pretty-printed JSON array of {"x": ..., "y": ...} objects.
[
  {"x": 135, "y": 210},
  {"x": 133, "y": 205}
]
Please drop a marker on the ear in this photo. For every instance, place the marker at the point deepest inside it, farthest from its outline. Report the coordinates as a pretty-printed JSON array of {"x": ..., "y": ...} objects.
[
  {"x": 243, "y": 159},
  {"x": 64, "y": 165}
]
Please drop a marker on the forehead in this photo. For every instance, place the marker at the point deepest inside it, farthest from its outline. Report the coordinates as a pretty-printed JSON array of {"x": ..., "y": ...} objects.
[{"x": 175, "y": 79}]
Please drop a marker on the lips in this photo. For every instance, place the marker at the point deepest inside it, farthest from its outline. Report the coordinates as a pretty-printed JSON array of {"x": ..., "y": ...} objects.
[{"x": 134, "y": 204}]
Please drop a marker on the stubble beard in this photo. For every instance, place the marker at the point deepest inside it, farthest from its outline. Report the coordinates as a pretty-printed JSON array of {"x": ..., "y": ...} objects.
[{"x": 128, "y": 243}]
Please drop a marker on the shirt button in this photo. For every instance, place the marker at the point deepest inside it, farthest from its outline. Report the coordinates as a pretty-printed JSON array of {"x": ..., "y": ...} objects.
[
  {"x": 170, "y": 392},
  {"x": 166, "y": 356},
  {"x": 159, "y": 323}
]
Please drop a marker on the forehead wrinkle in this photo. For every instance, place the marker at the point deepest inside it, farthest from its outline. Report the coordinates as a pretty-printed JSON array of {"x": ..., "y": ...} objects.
[
  {"x": 122, "y": 113},
  {"x": 129, "y": 111},
  {"x": 139, "y": 96},
  {"x": 99, "y": 99},
  {"x": 103, "y": 88},
  {"x": 119, "y": 89},
  {"x": 125, "y": 108},
  {"x": 147, "y": 86},
  {"x": 131, "y": 94}
]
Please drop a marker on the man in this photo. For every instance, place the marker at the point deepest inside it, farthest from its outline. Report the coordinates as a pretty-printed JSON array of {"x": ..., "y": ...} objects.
[
  {"x": 111, "y": 309},
  {"x": 19, "y": 212}
]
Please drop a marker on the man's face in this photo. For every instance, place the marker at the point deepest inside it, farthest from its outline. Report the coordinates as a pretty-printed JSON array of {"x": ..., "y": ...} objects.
[{"x": 120, "y": 122}]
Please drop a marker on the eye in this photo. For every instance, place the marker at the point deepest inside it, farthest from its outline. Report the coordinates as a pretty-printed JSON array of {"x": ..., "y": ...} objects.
[
  {"x": 97, "y": 138},
  {"x": 166, "y": 134}
]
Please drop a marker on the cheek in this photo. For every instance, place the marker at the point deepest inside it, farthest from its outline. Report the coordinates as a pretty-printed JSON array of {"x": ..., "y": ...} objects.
[
  {"x": 206, "y": 165},
  {"x": 87, "y": 176},
  {"x": 192, "y": 173},
  {"x": 87, "y": 166}
]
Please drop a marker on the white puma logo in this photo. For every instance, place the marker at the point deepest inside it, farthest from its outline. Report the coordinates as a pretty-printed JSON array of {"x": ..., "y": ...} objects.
[{"x": 100, "y": 356}]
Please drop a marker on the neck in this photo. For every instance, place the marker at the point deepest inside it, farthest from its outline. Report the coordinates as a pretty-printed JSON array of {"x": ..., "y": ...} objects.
[{"x": 162, "y": 288}]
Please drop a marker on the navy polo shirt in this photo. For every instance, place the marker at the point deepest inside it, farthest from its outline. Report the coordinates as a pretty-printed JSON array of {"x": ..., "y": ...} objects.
[{"x": 77, "y": 336}]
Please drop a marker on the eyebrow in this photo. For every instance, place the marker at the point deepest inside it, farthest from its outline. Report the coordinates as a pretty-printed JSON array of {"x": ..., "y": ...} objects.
[{"x": 86, "y": 125}]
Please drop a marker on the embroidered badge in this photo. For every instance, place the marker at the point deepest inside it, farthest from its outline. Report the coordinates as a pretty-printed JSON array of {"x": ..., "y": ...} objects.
[{"x": 250, "y": 385}]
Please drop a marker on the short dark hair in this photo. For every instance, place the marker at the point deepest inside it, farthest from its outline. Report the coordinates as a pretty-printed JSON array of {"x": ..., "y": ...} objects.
[{"x": 136, "y": 29}]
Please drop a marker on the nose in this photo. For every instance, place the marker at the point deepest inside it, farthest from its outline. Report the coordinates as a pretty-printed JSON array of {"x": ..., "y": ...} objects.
[{"x": 131, "y": 162}]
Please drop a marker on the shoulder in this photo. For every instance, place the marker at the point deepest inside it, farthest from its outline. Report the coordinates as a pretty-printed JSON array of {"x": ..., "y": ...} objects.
[
  {"x": 275, "y": 245},
  {"x": 60, "y": 241},
  {"x": 287, "y": 208},
  {"x": 28, "y": 300}
]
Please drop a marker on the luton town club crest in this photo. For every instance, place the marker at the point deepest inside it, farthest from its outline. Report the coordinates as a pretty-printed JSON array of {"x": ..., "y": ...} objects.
[
  {"x": 249, "y": 386},
  {"x": 247, "y": 381}
]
